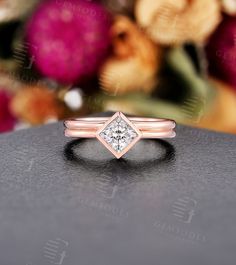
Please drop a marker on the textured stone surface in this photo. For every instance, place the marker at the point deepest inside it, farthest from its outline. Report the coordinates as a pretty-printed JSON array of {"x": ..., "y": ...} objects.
[{"x": 113, "y": 212}]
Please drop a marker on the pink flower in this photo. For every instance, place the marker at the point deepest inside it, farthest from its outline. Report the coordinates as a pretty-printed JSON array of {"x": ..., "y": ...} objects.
[
  {"x": 221, "y": 51},
  {"x": 7, "y": 120},
  {"x": 68, "y": 40}
]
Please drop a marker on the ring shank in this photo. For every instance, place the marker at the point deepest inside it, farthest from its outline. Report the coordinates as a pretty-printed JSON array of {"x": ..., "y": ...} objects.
[
  {"x": 149, "y": 127},
  {"x": 140, "y": 123},
  {"x": 145, "y": 134}
]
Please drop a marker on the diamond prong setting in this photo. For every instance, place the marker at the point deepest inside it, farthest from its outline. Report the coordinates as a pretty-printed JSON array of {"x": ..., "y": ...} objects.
[{"x": 118, "y": 135}]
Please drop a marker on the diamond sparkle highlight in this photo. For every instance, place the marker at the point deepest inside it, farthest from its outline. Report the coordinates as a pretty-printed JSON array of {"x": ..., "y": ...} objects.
[{"x": 118, "y": 134}]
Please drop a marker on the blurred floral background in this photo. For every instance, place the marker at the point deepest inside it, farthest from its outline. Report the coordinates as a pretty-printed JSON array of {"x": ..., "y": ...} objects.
[{"x": 162, "y": 58}]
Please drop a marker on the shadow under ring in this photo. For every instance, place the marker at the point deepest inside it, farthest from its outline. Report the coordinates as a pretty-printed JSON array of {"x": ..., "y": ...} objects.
[{"x": 167, "y": 156}]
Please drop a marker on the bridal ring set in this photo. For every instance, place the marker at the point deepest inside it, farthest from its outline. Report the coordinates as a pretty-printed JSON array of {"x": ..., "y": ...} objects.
[{"x": 119, "y": 133}]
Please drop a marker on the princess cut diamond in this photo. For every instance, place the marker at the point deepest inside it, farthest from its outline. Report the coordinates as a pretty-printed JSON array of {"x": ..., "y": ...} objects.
[{"x": 119, "y": 135}]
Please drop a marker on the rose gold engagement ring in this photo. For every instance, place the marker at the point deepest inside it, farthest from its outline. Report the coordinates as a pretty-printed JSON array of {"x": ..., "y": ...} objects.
[{"x": 119, "y": 133}]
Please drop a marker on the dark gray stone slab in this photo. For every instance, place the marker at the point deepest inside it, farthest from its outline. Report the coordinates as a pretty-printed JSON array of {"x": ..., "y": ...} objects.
[{"x": 72, "y": 203}]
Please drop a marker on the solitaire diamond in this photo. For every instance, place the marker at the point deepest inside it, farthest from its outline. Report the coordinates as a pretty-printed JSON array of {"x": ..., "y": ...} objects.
[{"x": 119, "y": 135}]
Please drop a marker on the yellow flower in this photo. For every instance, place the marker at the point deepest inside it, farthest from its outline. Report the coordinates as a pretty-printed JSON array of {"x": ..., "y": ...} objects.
[
  {"x": 178, "y": 21},
  {"x": 12, "y": 9},
  {"x": 229, "y": 6},
  {"x": 135, "y": 61}
]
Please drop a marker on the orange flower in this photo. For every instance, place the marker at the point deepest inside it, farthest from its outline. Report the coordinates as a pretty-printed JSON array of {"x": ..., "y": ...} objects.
[
  {"x": 222, "y": 114},
  {"x": 135, "y": 61},
  {"x": 178, "y": 21},
  {"x": 36, "y": 105}
]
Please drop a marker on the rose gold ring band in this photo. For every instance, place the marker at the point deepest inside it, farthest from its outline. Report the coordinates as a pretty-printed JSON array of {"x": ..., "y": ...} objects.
[
  {"x": 145, "y": 134},
  {"x": 150, "y": 127},
  {"x": 142, "y": 125},
  {"x": 119, "y": 133}
]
